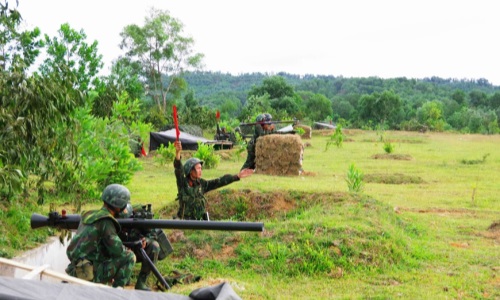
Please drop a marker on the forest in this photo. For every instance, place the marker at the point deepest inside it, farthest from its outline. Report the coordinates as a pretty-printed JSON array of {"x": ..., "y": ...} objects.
[{"x": 461, "y": 105}]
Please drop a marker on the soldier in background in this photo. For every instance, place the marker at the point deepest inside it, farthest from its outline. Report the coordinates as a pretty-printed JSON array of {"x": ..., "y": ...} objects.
[
  {"x": 96, "y": 252},
  {"x": 191, "y": 187},
  {"x": 264, "y": 127}
]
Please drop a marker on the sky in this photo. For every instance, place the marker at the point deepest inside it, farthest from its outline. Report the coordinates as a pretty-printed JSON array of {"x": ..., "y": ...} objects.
[{"x": 351, "y": 38}]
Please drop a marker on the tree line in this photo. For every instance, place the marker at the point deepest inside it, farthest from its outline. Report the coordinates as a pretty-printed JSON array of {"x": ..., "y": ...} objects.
[{"x": 461, "y": 105}]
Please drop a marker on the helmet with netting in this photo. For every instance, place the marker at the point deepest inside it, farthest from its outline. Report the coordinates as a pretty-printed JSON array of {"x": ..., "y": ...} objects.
[
  {"x": 190, "y": 163},
  {"x": 116, "y": 195},
  {"x": 259, "y": 118},
  {"x": 267, "y": 118}
]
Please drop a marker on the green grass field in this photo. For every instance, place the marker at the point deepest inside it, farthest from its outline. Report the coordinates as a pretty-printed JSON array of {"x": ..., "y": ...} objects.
[{"x": 424, "y": 227}]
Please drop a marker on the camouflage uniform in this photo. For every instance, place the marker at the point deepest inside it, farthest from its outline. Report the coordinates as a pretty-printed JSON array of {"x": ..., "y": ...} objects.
[
  {"x": 258, "y": 132},
  {"x": 190, "y": 194},
  {"x": 97, "y": 241},
  {"x": 134, "y": 234}
]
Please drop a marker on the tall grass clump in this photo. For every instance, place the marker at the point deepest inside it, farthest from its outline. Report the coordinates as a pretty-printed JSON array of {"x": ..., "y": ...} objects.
[
  {"x": 475, "y": 161},
  {"x": 354, "y": 179},
  {"x": 337, "y": 138},
  {"x": 388, "y": 147}
]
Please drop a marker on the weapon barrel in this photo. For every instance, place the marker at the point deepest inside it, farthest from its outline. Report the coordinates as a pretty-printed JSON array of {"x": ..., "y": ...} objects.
[
  {"x": 72, "y": 222},
  {"x": 272, "y": 122},
  {"x": 192, "y": 224}
]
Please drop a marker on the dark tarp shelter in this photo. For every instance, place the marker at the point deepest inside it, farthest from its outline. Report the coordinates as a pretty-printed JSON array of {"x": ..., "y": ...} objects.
[
  {"x": 189, "y": 141},
  {"x": 23, "y": 289}
]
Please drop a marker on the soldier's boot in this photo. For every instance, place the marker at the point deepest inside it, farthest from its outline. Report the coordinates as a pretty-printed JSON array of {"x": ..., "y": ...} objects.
[{"x": 141, "y": 282}]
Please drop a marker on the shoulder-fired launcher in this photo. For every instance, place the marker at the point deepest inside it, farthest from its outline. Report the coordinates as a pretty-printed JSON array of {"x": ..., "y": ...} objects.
[{"x": 64, "y": 221}]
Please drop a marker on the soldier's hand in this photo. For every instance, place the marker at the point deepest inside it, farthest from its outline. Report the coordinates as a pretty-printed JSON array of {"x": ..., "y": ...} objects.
[
  {"x": 245, "y": 173},
  {"x": 144, "y": 243},
  {"x": 178, "y": 145},
  {"x": 178, "y": 149}
]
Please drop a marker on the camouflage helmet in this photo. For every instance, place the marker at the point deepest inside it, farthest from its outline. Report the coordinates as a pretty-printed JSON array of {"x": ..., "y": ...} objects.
[
  {"x": 116, "y": 195},
  {"x": 128, "y": 211},
  {"x": 190, "y": 163},
  {"x": 267, "y": 118},
  {"x": 259, "y": 118}
]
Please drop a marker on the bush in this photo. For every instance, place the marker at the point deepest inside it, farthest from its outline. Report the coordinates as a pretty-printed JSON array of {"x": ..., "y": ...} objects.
[
  {"x": 165, "y": 154},
  {"x": 207, "y": 154},
  {"x": 388, "y": 147}
]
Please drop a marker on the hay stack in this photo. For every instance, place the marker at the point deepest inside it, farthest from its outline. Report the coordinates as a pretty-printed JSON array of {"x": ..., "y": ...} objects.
[
  {"x": 277, "y": 154},
  {"x": 307, "y": 131}
]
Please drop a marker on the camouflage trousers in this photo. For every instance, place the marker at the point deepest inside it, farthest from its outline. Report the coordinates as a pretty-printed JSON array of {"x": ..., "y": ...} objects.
[
  {"x": 118, "y": 269},
  {"x": 250, "y": 162},
  {"x": 152, "y": 250}
]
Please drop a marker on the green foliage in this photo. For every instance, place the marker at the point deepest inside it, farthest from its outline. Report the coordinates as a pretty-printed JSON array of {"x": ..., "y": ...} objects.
[
  {"x": 337, "y": 138},
  {"x": 81, "y": 60},
  {"x": 14, "y": 235},
  {"x": 165, "y": 155},
  {"x": 379, "y": 107},
  {"x": 388, "y": 147},
  {"x": 354, "y": 179},
  {"x": 240, "y": 146},
  {"x": 208, "y": 155},
  {"x": 103, "y": 146},
  {"x": 163, "y": 53},
  {"x": 475, "y": 161}
]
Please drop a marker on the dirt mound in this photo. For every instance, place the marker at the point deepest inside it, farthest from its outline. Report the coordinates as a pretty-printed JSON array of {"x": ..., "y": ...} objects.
[
  {"x": 495, "y": 227},
  {"x": 253, "y": 205}
]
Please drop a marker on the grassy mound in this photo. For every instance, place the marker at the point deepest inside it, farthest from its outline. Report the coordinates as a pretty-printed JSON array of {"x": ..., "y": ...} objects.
[{"x": 306, "y": 234}]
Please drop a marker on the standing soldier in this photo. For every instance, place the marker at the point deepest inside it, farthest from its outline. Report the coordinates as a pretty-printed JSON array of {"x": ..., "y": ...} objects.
[
  {"x": 96, "y": 252},
  {"x": 191, "y": 187},
  {"x": 264, "y": 126}
]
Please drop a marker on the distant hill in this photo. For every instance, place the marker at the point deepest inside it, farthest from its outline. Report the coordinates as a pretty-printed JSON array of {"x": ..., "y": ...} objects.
[{"x": 209, "y": 86}]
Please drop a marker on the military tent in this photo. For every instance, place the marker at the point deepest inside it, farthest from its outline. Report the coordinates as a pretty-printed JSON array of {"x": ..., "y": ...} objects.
[{"x": 189, "y": 141}]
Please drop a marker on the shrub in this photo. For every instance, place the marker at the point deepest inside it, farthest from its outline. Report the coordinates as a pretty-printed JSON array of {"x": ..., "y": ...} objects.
[
  {"x": 337, "y": 138},
  {"x": 207, "y": 154},
  {"x": 388, "y": 147},
  {"x": 354, "y": 179},
  {"x": 165, "y": 154}
]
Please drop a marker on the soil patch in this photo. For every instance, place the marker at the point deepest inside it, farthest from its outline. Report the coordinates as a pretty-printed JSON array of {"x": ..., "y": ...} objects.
[{"x": 392, "y": 156}]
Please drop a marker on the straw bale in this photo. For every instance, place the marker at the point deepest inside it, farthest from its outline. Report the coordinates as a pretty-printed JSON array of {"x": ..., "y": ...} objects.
[
  {"x": 279, "y": 154},
  {"x": 307, "y": 131}
]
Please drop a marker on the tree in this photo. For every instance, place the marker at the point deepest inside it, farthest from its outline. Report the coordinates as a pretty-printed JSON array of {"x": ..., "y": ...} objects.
[
  {"x": 162, "y": 52},
  {"x": 379, "y": 107},
  {"x": 431, "y": 114},
  {"x": 275, "y": 86},
  {"x": 318, "y": 107},
  {"x": 459, "y": 97},
  {"x": 81, "y": 60},
  {"x": 282, "y": 96},
  {"x": 478, "y": 98},
  {"x": 123, "y": 78}
]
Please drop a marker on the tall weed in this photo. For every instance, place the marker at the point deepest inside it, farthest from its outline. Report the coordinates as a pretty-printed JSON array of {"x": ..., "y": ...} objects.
[{"x": 354, "y": 179}]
